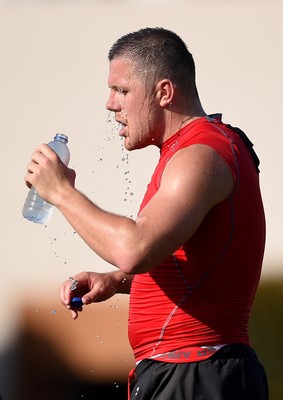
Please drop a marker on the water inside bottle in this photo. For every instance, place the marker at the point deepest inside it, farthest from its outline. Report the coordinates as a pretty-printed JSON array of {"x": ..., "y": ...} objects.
[{"x": 36, "y": 209}]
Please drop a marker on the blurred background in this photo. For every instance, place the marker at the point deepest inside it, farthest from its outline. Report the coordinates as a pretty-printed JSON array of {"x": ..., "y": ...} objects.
[{"x": 53, "y": 78}]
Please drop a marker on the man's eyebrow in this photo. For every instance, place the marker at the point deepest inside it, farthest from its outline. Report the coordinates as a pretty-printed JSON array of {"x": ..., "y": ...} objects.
[
  {"x": 115, "y": 87},
  {"x": 121, "y": 88}
]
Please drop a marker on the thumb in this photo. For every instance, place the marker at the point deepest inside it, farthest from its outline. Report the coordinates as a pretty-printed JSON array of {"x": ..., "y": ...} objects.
[{"x": 88, "y": 298}]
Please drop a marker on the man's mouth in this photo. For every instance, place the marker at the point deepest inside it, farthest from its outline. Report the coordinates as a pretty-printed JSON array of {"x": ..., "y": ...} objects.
[{"x": 122, "y": 128}]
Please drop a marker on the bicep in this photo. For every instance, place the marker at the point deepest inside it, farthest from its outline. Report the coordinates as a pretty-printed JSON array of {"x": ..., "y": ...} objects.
[{"x": 194, "y": 181}]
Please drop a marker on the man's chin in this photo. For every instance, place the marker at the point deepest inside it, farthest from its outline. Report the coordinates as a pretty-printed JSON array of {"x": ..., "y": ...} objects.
[
  {"x": 129, "y": 147},
  {"x": 128, "y": 144}
]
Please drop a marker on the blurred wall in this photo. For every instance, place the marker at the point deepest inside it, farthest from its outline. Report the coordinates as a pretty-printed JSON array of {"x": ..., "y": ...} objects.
[{"x": 53, "y": 78}]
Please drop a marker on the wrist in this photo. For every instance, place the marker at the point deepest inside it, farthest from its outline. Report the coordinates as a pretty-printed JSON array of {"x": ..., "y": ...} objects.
[
  {"x": 123, "y": 282},
  {"x": 63, "y": 197}
]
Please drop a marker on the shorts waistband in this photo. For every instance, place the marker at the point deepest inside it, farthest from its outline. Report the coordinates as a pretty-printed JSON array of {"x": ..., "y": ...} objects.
[{"x": 187, "y": 354}]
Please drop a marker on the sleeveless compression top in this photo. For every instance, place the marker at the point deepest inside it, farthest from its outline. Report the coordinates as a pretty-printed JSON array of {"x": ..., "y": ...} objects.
[{"x": 202, "y": 294}]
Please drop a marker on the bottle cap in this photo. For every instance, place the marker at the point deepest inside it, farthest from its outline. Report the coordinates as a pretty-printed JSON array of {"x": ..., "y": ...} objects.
[
  {"x": 61, "y": 136},
  {"x": 76, "y": 302}
]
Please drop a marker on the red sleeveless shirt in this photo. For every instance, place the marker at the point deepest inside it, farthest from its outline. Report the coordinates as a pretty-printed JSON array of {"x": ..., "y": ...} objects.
[{"x": 202, "y": 294}]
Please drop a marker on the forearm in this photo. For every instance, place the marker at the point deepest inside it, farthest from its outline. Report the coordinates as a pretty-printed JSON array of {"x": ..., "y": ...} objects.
[{"x": 114, "y": 238}]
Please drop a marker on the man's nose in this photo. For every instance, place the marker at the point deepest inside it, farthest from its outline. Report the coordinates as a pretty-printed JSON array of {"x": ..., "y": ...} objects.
[
  {"x": 113, "y": 103},
  {"x": 109, "y": 104}
]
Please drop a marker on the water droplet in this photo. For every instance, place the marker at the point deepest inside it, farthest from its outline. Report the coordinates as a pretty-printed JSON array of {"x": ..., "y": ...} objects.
[{"x": 53, "y": 312}]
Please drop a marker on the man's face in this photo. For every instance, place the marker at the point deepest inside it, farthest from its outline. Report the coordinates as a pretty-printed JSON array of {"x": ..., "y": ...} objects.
[{"x": 135, "y": 108}]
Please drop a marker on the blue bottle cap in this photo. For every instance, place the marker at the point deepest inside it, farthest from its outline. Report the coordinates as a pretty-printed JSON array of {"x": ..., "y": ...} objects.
[
  {"x": 76, "y": 302},
  {"x": 61, "y": 136}
]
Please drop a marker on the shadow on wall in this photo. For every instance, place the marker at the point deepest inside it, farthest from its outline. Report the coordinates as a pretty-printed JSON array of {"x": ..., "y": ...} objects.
[
  {"x": 61, "y": 359},
  {"x": 58, "y": 358},
  {"x": 44, "y": 375}
]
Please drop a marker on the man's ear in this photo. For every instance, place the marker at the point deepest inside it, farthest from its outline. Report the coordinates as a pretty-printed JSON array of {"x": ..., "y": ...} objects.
[{"x": 165, "y": 92}]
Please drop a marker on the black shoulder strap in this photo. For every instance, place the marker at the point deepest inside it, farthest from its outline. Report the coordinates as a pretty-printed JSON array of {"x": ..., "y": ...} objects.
[{"x": 248, "y": 143}]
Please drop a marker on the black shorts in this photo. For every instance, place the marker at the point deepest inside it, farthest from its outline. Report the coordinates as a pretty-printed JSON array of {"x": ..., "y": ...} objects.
[{"x": 232, "y": 373}]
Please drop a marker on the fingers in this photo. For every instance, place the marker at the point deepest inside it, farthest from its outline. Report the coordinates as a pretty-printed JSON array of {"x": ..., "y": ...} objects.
[
  {"x": 74, "y": 287},
  {"x": 66, "y": 291},
  {"x": 74, "y": 314},
  {"x": 90, "y": 287},
  {"x": 46, "y": 151},
  {"x": 41, "y": 156},
  {"x": 33, "y": 167},
  {"x": 40, "y": 159},
  {"x": 48, "y": 174}
]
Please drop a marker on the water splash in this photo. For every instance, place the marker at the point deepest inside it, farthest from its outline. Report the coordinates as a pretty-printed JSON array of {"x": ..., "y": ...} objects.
[
  {"x": 99, "y": 339},
  {"x": 124, "y": 163}
]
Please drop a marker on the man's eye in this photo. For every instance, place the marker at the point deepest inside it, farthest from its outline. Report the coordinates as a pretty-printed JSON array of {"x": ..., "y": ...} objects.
[{"x": 122, "y": 91}]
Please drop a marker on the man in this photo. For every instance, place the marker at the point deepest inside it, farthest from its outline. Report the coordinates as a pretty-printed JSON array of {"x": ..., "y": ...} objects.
[{"x": 191, "y": 260}]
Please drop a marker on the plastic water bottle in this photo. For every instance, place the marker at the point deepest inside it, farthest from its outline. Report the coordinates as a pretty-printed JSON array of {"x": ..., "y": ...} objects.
[{"x": 35, "y": 208}]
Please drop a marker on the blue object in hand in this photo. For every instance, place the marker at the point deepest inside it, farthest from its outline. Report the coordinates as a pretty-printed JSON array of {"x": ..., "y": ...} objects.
[{"x": 76, "y": 302}]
